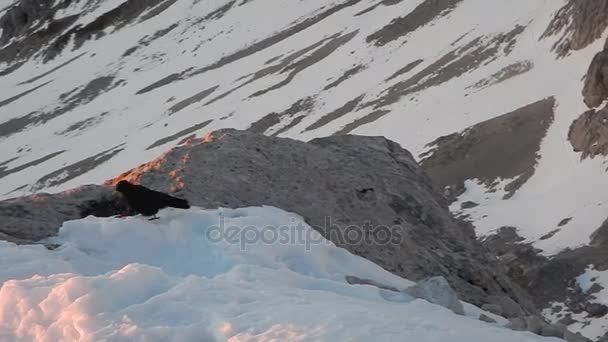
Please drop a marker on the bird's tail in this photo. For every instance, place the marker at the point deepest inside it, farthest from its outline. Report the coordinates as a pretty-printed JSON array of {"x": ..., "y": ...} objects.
[{"x": 178, "y": 203}]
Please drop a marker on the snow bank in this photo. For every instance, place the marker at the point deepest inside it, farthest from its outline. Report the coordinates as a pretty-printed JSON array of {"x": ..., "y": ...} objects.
[{"x": 175, "y": 279}]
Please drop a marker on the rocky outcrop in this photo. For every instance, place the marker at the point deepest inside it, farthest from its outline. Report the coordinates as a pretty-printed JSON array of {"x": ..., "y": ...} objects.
[
  {"x": 438, "y": 291},
  {"x": 341, "y": 185},
  {"x": 32, "y": 218},
  {"x": 37, "y": 31},
  {"x": 504, "y": 147},
  {"x": 589, "y": 133},
  {"x": 580, "y": 23},
  {"x": 595, "y": 90}
]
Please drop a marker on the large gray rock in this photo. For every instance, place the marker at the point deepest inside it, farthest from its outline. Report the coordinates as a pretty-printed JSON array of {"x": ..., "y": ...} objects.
[
  {"x": 368, "y": 186},
  {"x": 32, "y": 218},
  {"x": 492, "y": 308},
  {"x": 437, "y": 290}
]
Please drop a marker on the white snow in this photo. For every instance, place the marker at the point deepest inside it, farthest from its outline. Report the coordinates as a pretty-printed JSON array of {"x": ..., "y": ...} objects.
[{"x": 171, "y": 279}]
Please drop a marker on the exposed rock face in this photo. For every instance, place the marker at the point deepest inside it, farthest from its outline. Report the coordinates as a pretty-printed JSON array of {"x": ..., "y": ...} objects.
[
  {"x": 334, "y": 183},
  {"x": 437, "y": 290},
  {"x": 589, "y": 133},
  {"x": 504, "y": 147},
  {"x": 595, "y": 90},
  {"x": 34, "y": 23},
  {"x": 580, "y": 22},
  {"x": 32, "y": 218}
]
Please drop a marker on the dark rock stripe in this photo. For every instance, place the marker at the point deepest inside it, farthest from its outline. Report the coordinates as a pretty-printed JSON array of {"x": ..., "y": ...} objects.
[
  {"x": 252, "y": 49},
  {"x": 347, "y": 74},
  {"x": 76, "y": 169},
  {"x": 422, "y": 15},
  {"x": 18, "y": 96},
  {"x": 33, "y": 79},
  {"x": 405, "y": 69},
  {"x": 338, "y": 113},
  {"x": 309, "y": 61},
  {"x": 179, "y": 134},
  {"x": 192, "y": 99},
  {"x": 369, "y": 118},
  {"x": 5, "y": 172}
]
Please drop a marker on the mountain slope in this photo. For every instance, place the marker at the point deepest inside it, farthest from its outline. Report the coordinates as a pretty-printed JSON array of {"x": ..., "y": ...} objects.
[{"x": 91, "y": 88}]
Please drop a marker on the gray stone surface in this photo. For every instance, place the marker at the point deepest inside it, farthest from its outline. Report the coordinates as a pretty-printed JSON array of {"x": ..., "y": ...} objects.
[
  {"x": 487, "y": 319},
  {"x": 553, "y": 330},
  {"x": 510, "y": 309},
  {"x": 517, "y": 324},
  {"x": 333, "y": 183},
  {"x": 32, "y": 218},
  {"x": 492, "y": 308},
  {"x": 437, "y": 290}
]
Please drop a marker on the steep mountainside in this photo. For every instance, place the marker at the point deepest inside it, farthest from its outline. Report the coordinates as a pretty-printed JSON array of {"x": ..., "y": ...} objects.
[{"x": 487, "y": 94}]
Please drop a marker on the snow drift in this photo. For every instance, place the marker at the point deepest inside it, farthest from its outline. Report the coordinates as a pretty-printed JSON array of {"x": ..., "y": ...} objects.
[{"x": 131, "y": 279}]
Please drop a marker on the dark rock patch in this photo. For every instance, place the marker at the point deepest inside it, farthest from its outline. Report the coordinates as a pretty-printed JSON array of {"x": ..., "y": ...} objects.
[
  {"x": 409, "y": 67},
  {"x": 549, "y": 234},
  {"x": 276, "y": 68},
  {"x": 367, "y": 119},
  {"x": 191, "y": 100},
  {"x": 18, "y": 96},
  {"x": 346, "y": 75},
  {"x": 179, "y": 134},
  {"x": 82, "y": 125},
  {"x": 381, "y": 3},
  {"x": 347, "y": 108},
  {"x": 5, "y": 172},
  {"x": 70, "y": 101},
  {"x": 32, "y": 218},
  {"x": 252, "y": 49},
  {"x": 220, "y": 12},
  {"x": 580, "y": 23},
  {"x": 308, "y": 61},
  {"x": 76, "y": 169},
  {"x": 147, "y": 40},
  {"x": 422, "y": 15},
  {"x": 504, "y": 74},
  {"x": 452, "y": 65},
  {"x": 36, "y": 78},
  {"x": 304, "y": 105},
  {"x": 468, "y": 205},
  {"x": 564, "y": 222},
  {"x": 504, "y": 147}
]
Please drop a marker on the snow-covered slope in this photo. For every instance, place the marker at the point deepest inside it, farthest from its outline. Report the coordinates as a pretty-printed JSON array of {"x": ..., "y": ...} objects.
[{"x": 172, "y": 279}]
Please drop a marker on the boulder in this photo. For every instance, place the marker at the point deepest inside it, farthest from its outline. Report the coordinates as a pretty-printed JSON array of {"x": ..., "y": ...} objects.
[
  {"x": 492, "y": 308},
  {"x": 510, "y": 308},
  {"x": 553, "y": 330},
  {"x": 438, "y": 291},
  {"x": 487, "y": 319},
  {"x": 365, "y": 194}
]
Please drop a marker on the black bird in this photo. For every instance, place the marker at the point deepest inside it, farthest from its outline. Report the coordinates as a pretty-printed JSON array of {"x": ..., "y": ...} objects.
[{"x": 148, "y": 202}]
